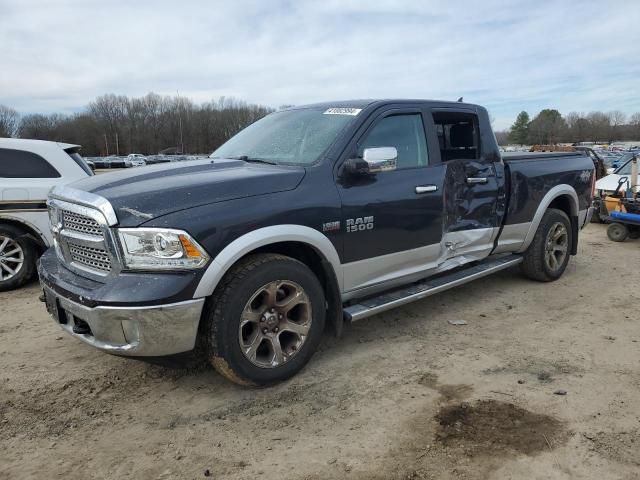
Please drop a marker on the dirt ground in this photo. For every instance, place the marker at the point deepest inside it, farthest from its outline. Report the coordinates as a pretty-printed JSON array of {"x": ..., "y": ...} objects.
[{"x": 403, "y": 395}]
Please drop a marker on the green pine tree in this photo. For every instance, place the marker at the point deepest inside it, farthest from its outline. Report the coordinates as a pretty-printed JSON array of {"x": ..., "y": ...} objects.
[{"x": 520, "y": 129}]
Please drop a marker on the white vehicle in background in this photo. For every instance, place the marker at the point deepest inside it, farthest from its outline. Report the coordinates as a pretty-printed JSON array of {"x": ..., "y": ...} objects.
[
  {"x": 136, "y": 160},
  {"x": 28, "y": 170}
]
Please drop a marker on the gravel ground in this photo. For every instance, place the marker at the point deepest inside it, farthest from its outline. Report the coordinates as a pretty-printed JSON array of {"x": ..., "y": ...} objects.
[{"x": 403, "y": 395}]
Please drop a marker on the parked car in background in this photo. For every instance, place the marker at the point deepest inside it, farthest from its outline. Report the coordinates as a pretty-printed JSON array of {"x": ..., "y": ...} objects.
[
  {"x": 28, "y": 170},
  {"x": 152, "y": 160},
  {"x": 136, "y": 160}
]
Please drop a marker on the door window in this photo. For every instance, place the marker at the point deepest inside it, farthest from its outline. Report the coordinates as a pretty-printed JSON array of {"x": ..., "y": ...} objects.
[{"x": 405, "y": 133}]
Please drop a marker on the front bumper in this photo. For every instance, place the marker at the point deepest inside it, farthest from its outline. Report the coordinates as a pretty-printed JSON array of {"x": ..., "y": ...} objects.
[
  {"x": 138, "y": 314},
  {"x": 133, "y": 331}
]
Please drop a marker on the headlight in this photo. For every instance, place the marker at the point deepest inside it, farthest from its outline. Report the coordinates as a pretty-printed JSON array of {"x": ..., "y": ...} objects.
[{"x": 160, "y": 249}]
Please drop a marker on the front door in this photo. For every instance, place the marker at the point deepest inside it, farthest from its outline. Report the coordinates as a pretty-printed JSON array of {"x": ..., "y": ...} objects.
[{"x": 392, "y": 220}]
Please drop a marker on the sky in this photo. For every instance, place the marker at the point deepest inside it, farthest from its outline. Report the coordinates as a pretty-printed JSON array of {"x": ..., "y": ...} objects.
[{"x": 58, "y": 55}]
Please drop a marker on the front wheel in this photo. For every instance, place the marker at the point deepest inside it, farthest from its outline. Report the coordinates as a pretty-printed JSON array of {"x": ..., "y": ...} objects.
[
  {"x": 265, "y": 320},
  {"x": 548, "y": 255}
]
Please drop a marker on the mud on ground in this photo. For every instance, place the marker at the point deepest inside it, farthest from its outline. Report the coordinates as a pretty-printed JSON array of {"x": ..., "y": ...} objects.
[{"x": 404, "y": 395}]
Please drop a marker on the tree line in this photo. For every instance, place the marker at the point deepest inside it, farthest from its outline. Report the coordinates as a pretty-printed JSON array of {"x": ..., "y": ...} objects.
[
  {"x": 550, "y": 127},
  {"x": 117, "y": 124}
]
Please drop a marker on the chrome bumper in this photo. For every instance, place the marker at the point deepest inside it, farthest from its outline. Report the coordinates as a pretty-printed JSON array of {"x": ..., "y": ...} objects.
[{"x": 133, "y": 331}]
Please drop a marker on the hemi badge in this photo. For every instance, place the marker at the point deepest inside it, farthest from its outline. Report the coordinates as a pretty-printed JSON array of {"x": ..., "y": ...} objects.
[{"x": 331, "y": 226}]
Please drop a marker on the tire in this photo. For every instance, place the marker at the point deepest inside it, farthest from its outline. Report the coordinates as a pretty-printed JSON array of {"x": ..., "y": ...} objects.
[
  {"x": 537, "y": 263},
  {"x": 617, "y": 232},
  {"x": 18, "y": 255},
  {"x": 248, "y": 317}
]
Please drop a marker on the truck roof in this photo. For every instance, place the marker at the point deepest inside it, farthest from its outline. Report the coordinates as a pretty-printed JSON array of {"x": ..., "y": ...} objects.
[{"x": 363, "y": 103}]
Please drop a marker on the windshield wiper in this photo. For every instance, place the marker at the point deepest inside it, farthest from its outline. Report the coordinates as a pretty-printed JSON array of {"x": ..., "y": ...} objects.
[{"x": 246, "y": 158}]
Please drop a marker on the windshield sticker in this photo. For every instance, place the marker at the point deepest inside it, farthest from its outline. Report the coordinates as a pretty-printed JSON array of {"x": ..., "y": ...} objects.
[{"x": 342, "y": 111}]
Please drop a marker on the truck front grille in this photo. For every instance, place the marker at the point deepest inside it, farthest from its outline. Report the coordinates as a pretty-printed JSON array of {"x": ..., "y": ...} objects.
[
  {"x": 84, "y": 241},
  {"x": 96, "y": 258},
  {"x": 79, "y": 223}
]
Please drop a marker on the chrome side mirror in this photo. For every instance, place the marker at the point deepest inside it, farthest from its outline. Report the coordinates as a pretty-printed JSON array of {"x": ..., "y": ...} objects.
[
  {"x": 374, "y": 160},
  {"x": 380, "y": 159}
]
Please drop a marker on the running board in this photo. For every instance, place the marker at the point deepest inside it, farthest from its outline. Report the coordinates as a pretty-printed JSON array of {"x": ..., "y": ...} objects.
[{"x": 426, "y": 288}]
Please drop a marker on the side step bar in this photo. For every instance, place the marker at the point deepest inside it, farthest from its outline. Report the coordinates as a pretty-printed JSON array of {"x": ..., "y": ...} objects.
[{"x": 426, "y": 288}]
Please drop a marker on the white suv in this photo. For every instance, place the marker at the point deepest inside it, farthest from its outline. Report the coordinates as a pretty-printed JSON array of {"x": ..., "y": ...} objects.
[{"x": 28, "y": 170}]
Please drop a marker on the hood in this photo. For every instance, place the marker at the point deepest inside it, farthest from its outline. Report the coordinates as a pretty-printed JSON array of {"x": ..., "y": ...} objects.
[
  {"x": 141, "y": 194},
  {"x": 610, "y": 182}
]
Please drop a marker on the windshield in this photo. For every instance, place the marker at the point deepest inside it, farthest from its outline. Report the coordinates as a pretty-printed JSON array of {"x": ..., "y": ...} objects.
[
  {"x": 625, "y": 169},
  {"x": 295, "y": 137}
]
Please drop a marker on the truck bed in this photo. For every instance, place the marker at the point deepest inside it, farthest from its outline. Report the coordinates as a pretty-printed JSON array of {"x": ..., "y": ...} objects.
[{"x": 532, "y": 175}]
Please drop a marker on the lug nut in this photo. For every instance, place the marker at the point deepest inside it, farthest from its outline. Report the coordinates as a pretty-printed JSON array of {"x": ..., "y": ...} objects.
[
  {"x": 280, "y": 316},
  {"x": 272, "y": 310},
  {"x": 263, "y": 318},
  {"x": 275, "y": 329},
  {"x": 264, "y": 330}
]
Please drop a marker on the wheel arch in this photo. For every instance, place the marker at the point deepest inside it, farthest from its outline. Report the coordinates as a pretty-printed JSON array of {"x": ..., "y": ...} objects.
[
  {"x": 31, "y": 230},
  {"x": 302, "y": 243},
  {"x": 564, "y": 198}
]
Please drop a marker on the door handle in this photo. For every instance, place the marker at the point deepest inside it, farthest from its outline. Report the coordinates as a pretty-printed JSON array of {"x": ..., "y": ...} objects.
[
  {"x": 475, "y": 180},
  {"x": 426, "y": 188}
]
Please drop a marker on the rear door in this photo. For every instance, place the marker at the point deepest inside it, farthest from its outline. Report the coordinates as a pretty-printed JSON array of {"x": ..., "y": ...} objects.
[
  {"x": 392, "y": 221},
  {"x": 473, "y": 188}
]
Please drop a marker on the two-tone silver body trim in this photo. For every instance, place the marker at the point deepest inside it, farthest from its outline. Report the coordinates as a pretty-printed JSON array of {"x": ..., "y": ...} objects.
[
  {"x": 555, "y": 192},
  {"x": 259, "y": 238}
]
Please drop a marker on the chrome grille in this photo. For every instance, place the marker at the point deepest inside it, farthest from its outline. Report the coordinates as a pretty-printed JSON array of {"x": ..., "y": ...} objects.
[
  {"x": 79, "y": 223},
  {"x": 91, "y": 257},
  {"x": 83, "y": 239}
]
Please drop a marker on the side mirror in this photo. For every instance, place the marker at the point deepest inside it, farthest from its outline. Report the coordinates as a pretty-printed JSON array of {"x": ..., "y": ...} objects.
[{"x": 374, "y": 160}]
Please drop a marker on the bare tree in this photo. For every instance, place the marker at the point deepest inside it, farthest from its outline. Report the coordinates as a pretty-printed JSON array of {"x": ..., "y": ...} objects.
[{"x": 8, "y": 121}]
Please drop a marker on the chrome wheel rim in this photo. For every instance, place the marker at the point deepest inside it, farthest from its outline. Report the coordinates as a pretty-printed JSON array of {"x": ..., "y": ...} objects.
[
  {"x": 556, "y": 246},
  {"x": 11, "y": 258},
  {"x": 275, "y": 323}
]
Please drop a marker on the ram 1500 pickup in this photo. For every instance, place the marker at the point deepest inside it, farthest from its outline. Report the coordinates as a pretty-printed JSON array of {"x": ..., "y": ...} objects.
[{"x": 317, "y": 214}]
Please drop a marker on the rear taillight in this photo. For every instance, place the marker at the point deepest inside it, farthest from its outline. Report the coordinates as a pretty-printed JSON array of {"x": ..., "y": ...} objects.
[{"x": 593, "y": 185}]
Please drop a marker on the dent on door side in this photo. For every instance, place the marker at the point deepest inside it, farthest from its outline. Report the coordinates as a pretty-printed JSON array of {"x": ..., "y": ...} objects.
[{"x": 469, "y": 218}]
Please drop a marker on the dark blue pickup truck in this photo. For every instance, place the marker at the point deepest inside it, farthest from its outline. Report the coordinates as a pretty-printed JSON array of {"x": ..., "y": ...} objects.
[{"x": 314, "y": 215}]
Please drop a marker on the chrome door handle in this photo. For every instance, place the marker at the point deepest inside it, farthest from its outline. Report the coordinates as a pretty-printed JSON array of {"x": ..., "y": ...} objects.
[
  {"x": 474, "y": 180},
  {"x": 426, "y": 188}
]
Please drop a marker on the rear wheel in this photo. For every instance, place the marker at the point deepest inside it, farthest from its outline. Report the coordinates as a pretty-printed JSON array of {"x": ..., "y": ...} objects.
[
  {"x": 18, "y": 256},
  {"x": 617, "y": 232},
  {"x": 265, "y": 320},
  {"x": 548, "y": 255}
]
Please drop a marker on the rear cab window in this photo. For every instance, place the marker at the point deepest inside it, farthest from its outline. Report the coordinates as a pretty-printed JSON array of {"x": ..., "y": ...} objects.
[
  {"x": 458, "y": 135},
  {"x": 23, "y": 164}
]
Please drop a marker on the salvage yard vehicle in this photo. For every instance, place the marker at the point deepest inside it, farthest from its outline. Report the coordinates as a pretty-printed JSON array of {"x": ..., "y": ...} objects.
[
  {"x": 610, "y": 185},
  {"x": 317, "y": 214},
  {"x": 28, "y": 170}
]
